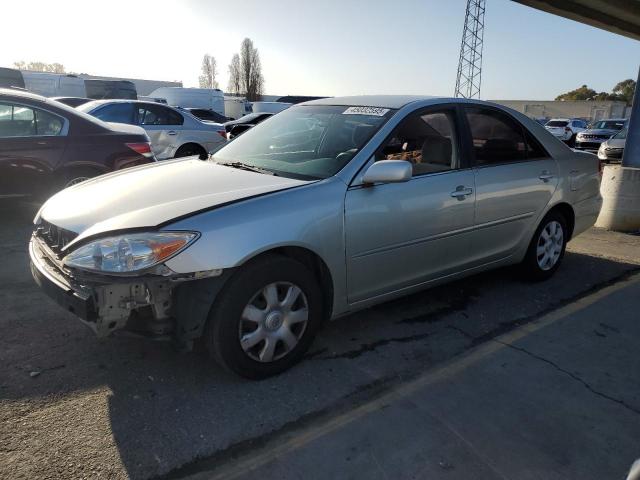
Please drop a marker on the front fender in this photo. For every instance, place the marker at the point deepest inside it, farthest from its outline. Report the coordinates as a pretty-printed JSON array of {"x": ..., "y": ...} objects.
[{"x": 309, "y": 216}]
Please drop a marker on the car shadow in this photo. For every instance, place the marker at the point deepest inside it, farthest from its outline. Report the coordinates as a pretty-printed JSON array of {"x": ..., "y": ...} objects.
[{"x": 161, "y": 409}]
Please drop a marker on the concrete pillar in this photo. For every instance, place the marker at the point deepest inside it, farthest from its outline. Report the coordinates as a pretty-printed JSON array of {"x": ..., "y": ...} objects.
[
  {"x": 620, "y": 187},
  {"x": 631, "y": 154}
]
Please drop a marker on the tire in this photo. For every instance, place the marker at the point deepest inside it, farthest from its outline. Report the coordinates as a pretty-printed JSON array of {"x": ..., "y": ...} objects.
[
  {"x": 242, "y": 310},
  {"x": 545, "y": 255},
  {"x": 572, "y": 141},
  {"x": 74, "y": 176},
  {"x": 190, "y": 150}
]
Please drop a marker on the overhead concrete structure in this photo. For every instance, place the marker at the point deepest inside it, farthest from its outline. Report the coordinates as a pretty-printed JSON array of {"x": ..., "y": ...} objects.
[{"x": 617, "y": 16}]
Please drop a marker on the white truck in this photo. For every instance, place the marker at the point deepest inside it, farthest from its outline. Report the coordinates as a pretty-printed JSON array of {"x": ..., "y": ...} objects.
[
  {"x": 207, "y": 98},
  {"x": 236, "y": 107},
  {"x": 269, "y": 107},
  {"x": 54, "y": 84}
]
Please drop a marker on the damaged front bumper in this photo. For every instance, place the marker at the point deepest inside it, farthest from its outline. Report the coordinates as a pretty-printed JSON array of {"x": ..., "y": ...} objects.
[{"x": 143, "y": 304}]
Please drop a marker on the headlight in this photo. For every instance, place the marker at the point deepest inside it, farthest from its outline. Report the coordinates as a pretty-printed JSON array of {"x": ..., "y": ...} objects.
[{"x": 129, "y": 252}]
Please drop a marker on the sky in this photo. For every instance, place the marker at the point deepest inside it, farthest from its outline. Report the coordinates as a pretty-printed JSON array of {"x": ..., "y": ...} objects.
[{"x": 321, "y": 47}]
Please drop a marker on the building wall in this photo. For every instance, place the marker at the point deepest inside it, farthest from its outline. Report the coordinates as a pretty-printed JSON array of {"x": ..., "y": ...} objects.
[
  {"x": 143, "y": 87},
  {"x": 588, "y": 110}
]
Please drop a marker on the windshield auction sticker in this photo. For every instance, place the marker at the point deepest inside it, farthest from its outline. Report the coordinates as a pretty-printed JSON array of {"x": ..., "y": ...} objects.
[{"x": 376, "y": 111}]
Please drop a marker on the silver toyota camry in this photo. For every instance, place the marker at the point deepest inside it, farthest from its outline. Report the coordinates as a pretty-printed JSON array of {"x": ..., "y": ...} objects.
[{"x": 326, "y": 208}]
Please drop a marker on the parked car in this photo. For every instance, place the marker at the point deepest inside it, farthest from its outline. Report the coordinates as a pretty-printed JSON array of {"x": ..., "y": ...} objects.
[
  {"x": 10, "y": 77},
  {"x": 72, "y": 101},
  {"x": 236, "y": 127},
  {"x": 566, "y": 129},
  {"x": 173, "y": 133},
  {"x": 598, "y": 132},
  {"x": 102, "y": 89},
  {"x": 611, "y": 150},
  {"x": 330, "y": 207},
  {"x": 46, "y": 146},
  {"x": 206, "y": 98},
  {"x": 206, "y": 115}
]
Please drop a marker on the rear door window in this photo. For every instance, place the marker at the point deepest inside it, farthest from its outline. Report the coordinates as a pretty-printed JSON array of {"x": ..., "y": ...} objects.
[
  {"x": 497, "y": 138},
  {"x": 48, "y": 123},
  {"x": 158, "y": 115},
  {"x": 116, "y": 112}
]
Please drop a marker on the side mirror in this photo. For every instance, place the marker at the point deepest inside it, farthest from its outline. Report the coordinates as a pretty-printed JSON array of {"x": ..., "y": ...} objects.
[{"x": 388, "y": 171}]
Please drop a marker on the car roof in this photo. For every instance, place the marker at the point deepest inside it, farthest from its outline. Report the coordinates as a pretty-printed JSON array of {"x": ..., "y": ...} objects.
[
  {"x": 20, "y": 93},
  {"x": 383, "y": 101}
]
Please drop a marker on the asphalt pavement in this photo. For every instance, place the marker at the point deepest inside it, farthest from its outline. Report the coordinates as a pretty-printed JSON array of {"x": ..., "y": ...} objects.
[{"x": 488, "y": 377}]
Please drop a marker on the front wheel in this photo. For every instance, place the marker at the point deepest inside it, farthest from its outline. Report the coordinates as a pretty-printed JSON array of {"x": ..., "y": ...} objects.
[
  {"x": 547, "y": 248},
  {"x": 265, "y": 318}
]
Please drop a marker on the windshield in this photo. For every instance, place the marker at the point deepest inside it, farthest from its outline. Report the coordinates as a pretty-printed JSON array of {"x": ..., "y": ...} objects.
[
  {"x": 556, "y": 123},
  {"x": 608, "y": 125},
  {"x": 307, "y": 142},
  {"x": 622, "y": 134}
]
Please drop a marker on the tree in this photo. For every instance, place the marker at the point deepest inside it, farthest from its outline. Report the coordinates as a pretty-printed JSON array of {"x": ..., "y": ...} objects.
[
  {"x": 252, "y": 81},
  {"x": 40, "y": 67},
  {"x": 625, "y": 89},
  {"x": 209, "y": 72},
  {"x": 622, "y": 92},
  {"x": 235, "y": 83},
  {"x": 582, "y": 93}
]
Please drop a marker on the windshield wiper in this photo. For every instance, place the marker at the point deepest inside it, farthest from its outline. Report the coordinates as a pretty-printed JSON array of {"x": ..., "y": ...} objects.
[{"x": 250, "y": 168}]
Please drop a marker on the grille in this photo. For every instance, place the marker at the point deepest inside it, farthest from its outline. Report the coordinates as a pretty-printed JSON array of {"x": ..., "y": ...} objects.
[
  {"x": 590, "y": 135},
  {"x": 56, "y": 238},
  {"x": 613, "y": 152},
  {"x": 591, "y": 145}
]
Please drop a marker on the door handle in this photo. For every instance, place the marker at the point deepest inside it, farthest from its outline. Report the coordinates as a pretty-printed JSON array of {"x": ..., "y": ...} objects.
[
  {"x": 171, "y": 132},
  {"x": 545, "y": 176},
  {"x": 461, "y": 192}
]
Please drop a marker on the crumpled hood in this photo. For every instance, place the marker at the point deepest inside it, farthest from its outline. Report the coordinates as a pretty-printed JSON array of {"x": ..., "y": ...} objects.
[{"x": 153, "y": 194}]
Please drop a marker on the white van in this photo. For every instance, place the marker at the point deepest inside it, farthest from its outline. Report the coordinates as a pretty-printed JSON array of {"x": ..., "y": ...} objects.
[
  {"x": 207, "y": 98},
  {"x": 235, "y": 107},
  {"x": 54, "y": 84},
  {"x": 269, "y": 107}
]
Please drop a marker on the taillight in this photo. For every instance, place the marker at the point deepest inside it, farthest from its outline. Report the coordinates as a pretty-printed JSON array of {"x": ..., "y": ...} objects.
[
  {"x": 143, "y": 148},
  {"x": 223, "y": 133},
  {"x": 567, "y": 129}
]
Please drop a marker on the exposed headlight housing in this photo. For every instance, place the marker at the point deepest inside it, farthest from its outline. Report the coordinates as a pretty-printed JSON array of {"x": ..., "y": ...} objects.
[{"x": 129, "y": 253}]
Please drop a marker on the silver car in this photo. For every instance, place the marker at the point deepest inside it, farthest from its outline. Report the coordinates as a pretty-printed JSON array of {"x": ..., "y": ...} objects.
[
  {"x": 611, "y": 150},
  {"x": 327, "y": 208},
  {"x": 174, "y": 133}
]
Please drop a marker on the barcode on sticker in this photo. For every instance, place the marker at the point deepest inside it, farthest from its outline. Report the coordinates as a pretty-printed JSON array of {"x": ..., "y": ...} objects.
[{"x": 376, "y": 111}]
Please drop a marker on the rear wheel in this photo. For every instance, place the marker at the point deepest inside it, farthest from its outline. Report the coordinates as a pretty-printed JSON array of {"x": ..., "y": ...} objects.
[
  {"x": 265, "y": 318},
  {"x": 547, "y": 247},
  {"x": 190, "y": 150},
  {"x": 74, "y": 176}
]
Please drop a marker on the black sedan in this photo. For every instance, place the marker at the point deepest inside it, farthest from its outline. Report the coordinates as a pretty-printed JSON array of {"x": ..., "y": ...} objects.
[
  {"x": 206, "y": 115},
  {"x": 46, "y": 146},
  {"x": 242, "y": 124},
  {"x": 72, "y": 101}
]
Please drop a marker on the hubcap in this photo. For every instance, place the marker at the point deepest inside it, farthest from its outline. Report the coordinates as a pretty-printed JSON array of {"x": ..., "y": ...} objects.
[
  {"x": 550, "y": 245},
  {"x": 273, "y": 321},
  {"x": 75, "y": 181}
]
